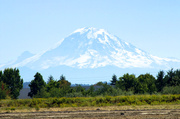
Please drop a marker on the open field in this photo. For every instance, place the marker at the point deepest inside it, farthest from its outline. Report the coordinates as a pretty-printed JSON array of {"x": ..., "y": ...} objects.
[
  {"x": 136, "y": 106},
  {"x": 91, "y": 101},
  {"x": 107, "y": 112}
]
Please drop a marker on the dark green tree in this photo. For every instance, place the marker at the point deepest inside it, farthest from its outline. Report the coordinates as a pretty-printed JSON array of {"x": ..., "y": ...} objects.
[
  {"x": 1, "y": 74},
  {"x": 129, "y": 81},
  {"x": 120, "y": 84},
  {"x": 79, "y": 88},
  {"x": 42, "y": 93},
  {"x": 13, "y": 81},
  {"x": 139, "y": 88},
  {"x": 62, "y": 78},
  {"x": 51, "y": 78},
  {"x": 160, "y": 81},
  {"x": 169, "y": 78},
  {"x": 145, "y": 84},
  {"x": 55, "y": 92},
  {"x": 51, "y": 83},
  {"x": 175, "y": 81},
  {"x": 126, "y": 82},
  {"x": 104, "y": 90},
  {"x": 100, "y": 83},
  {"x": 2, "y": 87},
  {"x": 4, "y": 92},
  {"x": 90, "y": 91},
  {"x": 36, "y": 85},
  {"x": 114, "y": 79},
  {"x": 63, "y": 85},
  {"x": 172, "y": 78},
  {"x": 176, "y": 78}
]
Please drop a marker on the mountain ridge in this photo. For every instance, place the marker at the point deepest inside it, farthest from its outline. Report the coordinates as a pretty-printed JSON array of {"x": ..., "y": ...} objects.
[{"x": 91, "y": 48}]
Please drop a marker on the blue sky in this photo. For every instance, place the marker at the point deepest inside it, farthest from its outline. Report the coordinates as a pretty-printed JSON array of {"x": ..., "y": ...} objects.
[{"x": 36, "y": 25}]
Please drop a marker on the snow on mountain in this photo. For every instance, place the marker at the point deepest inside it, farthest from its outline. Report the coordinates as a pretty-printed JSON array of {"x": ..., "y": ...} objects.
[
  {"x": 90, "y": 52},
  {"x": 23, "y": 56},
  {"x": 93, "y": 48}
]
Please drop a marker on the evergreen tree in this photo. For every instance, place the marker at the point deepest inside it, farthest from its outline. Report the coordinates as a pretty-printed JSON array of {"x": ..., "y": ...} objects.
[
  {"x": 172, "y": 78},
  {"x": 175, "y": 81},
  {"x": 13, "y": 81},
  {"x": 114, "y": 79},
  {"x": 91, "y": 90},
  {"x": 51, "y": 83},
  {"x": 62, "y": 78},
  {"x": 176, "y": 78},
  {"x": 1, "y": 74},
  {"x": 4, "y": 92},
  {"x": 160, "y": 81},
  {"x": 169, "y": 78},
  {"x": 51, "y": 78},
  {"x": 120, "y": 84},
  {"x": 36, "y": 85},
  {"x": 64, "y": 85},
  {"x": 79, "y": 88}
]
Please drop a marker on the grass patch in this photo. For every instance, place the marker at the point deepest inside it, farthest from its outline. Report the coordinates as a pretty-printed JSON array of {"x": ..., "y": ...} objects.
[{"x": 131, "y": 102}]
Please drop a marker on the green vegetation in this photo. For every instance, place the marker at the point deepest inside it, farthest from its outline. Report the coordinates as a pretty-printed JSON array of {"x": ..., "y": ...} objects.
[
  {"x": 114, "y": 79},
  {"x": 128, "y": 84},
  {"x": 36, "y": 85},
  {"x": 10, "y": 83},
  {"x": 148, "y": 84},
  {"x": 127, "y": 90},
  {"x": 38, "y": 103}
]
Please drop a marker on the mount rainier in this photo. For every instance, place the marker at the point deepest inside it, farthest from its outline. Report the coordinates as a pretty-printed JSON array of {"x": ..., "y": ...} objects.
[{"x": 91, "y": 52}]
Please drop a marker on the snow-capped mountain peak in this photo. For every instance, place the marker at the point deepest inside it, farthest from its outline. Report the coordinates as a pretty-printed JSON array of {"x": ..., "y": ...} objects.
[
  {"x": 93, "y": 48},
  {"x": 92, "y": 32}
]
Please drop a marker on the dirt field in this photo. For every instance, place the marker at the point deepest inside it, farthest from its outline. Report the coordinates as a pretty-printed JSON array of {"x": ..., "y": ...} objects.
[
  {"x": 95, "y": 114},
  {"x": 105, "y": 112}
]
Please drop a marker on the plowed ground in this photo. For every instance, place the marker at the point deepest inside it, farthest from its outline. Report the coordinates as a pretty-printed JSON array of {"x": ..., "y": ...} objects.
[{"x": 95, "y": 114}]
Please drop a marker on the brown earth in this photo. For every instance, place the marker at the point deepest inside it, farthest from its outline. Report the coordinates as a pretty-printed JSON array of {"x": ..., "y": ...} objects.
[{"x": 95, "y": 114}]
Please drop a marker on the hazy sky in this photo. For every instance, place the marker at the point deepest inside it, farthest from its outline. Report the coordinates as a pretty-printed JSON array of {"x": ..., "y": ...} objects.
[{"x": 35, "y": 25}]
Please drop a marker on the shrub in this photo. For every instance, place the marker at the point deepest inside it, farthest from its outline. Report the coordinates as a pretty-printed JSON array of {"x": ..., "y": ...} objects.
[
  {"x": 91, "y": 101},
  {"x": 37, "y": 107},
  {"x": 171, "y": 90},
  {"x": 75, "y": 94}
]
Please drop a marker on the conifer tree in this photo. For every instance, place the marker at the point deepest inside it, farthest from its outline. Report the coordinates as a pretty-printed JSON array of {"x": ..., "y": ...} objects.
[{"x": 36, "y": 85}]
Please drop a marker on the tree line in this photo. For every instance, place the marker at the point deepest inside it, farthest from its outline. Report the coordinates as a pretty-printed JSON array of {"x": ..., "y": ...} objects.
[
  {"x": 128, "y": 84},
  {"x": 147, "y": 83},
  {"x": 164, "y": 83}
]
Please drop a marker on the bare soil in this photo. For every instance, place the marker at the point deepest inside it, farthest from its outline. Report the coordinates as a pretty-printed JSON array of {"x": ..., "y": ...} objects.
[{"x": 96, "y": 114}]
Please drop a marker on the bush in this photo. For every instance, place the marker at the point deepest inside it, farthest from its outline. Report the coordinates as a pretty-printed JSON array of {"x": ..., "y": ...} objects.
[
  {"x": 38, "y": 103},
  {"x": 37, "y": 107},
  {"x": 75, "y": 94},
  {"x": 171, "y": 90},
  {"x": 2, "y": 94}
]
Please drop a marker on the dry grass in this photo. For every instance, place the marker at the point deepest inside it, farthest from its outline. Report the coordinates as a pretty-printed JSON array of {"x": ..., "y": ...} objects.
[{"x": 109, "y": 108}]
